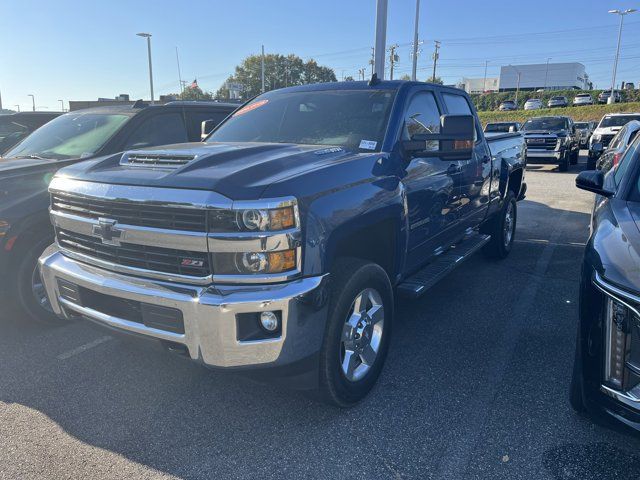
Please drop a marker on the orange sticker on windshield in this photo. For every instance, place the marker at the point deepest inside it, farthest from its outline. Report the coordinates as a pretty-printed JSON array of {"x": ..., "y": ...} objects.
[{"x": 251, "y": 106}]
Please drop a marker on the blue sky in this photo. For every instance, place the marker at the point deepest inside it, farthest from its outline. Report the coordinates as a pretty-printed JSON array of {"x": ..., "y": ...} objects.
[{"x": 82, "y": 50}]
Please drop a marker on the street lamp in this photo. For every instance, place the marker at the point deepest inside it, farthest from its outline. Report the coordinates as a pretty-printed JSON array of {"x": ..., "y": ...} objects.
[
  {"x": 546, "y": 74},
  {"x": 517, "y": 84},
  {"x": 33, "y": 100},
  {"x": 621, "y": 13},
  {"x": 61, "y": 105},
  {"x": 148, "y": 37}
]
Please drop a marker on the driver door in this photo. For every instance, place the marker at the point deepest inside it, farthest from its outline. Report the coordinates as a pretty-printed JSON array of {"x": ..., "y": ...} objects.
[{"x": 430, "y": 184}]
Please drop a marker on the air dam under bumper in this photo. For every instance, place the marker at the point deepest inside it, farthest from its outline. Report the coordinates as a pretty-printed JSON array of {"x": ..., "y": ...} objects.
[{"x": 210, "y": 313}]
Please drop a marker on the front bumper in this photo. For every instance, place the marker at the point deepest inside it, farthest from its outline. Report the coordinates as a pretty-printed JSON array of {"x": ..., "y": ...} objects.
[
  {"x": 544, "y": 154},
  {"x": 210, "y": 313}
]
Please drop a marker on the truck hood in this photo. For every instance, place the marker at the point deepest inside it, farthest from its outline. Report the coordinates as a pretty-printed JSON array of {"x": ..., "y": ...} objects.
[
  {"x": 607, "y": 130},
  {"x": 236, "y": 170},
  {"x": 537, "y": 133}
]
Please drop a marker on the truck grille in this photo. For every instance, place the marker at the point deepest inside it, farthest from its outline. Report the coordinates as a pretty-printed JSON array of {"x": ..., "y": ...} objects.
[
  {"x": 542, "y": 143},
  {"x": 166, "y": 260},
  {"x": 130, "y": 213}
]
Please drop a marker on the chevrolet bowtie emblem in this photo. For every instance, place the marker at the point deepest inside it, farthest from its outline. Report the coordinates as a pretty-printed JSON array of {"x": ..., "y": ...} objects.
[{"x": 107, "y": 231}]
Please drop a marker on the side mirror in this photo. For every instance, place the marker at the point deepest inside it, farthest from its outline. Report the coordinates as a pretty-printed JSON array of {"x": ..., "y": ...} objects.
[
  {"x": 593, "y": 181},
  {"x": 455, "y": 140},
  {"x": 206, "y": 127}
]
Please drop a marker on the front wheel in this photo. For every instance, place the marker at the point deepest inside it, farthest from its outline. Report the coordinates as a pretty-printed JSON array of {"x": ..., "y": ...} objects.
[
  {"x": 563, "y": 165},
  {"x": 503, "y": 229},
  {"x": 358, "y": 331},
  {"x": 30, "y": 296}
]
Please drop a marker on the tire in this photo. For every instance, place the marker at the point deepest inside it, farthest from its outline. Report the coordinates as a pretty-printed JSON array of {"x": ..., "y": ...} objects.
[
  {"x": 503, "y": 229},
  {"x": 574, "y": 156},
  {"x": 344, "y": 376},
  {"x": 563, "y": 165},
  {"x": 30, "y": 299},
  {"x": 575, "y": 390}
]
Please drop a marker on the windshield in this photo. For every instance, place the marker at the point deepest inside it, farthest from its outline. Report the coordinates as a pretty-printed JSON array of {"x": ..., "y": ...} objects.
[
  {"x": 499, "y": 127},
  {"x": 557, "y": 98},
  {"x": 354, "y": 119},
  {"x": 581, "y": 125},
  {"x": 550, "y": 123},
  {"x": 617, "y": 121},
  {"x": 74, "y": 135}
]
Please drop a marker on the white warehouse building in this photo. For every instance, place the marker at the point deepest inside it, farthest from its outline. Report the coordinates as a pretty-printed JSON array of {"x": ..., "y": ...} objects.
[
  {"x": 479, "y": 85},
  {"x": 552, "y": 76}
]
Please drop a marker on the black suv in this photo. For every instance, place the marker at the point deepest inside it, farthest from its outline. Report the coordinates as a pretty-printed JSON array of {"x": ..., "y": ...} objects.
[
  {"x": 26, "y": 170},
  {"x": 16, "y": 126}
]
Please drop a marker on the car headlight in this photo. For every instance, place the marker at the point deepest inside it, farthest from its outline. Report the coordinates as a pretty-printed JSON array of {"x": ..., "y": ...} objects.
[
  {"x": 619, "y": 318},
  {"x": 255, "y": 240}
]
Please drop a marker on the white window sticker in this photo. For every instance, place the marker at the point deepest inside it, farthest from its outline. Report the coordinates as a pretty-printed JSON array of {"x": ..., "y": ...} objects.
[{"x": 368, "y": 144}]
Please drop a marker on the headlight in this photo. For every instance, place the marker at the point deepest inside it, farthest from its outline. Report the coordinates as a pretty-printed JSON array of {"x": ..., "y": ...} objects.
[
  {"x": 256, "y": 241},
  {"x": 252, "y": 220},
  {"x": 4, "y": 228},
  {"x": 617, "y": 341}
]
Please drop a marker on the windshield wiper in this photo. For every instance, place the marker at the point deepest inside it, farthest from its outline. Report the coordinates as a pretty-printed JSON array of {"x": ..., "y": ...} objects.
[{"x": 35, "y": 157}]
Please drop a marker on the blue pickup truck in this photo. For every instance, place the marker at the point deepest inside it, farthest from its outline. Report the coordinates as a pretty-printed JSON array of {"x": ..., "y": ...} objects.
[{"x": 280, "y": 245}]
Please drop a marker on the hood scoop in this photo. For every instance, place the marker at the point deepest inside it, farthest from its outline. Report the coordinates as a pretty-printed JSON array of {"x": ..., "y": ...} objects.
[{"x": 155, "y": 160}]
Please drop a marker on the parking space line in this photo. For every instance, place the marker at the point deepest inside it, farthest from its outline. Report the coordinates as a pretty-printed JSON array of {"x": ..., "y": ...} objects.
[{"x": 84, "y": 348}]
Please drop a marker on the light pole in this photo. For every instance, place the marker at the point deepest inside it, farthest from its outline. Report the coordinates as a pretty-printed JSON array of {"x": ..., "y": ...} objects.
[
  {"x": 61, "y": 105},
  {"x": 148, "y": 37},
  {"x": 415, "y": 43},
  {"x": 484, "y": 82},
  {"x": 33, "y": 101},
  {"x": 381, "y": 37},
  {"x": 546, "y": 74},
  {"x": 18, "y": 107},
  {"x": 622, "y": 13},
  {"x": 517, "y": 84}
]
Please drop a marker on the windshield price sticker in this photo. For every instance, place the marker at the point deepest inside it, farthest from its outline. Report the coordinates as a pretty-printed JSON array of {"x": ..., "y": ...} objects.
[
  {"x": 251, "y": 106},
  {"x": 368, "y": 144}
]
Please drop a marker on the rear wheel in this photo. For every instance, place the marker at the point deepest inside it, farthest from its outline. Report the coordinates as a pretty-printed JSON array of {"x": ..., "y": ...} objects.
[
  {"x": 358, "y": 331},
  {"x": 503, "y": 229}
]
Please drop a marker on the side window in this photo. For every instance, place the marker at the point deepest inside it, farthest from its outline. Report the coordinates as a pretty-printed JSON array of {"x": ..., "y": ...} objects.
[
  {"x": 617, "y": 140},
  {"x": 163, "y": 129},
  {"x": 458, "y": 105},
  {"x": 195, "y": 119},
  {"x": 422, "y": 116},
  {"x": 625, "y": 162},
  {"x": 632, "y": 136}
]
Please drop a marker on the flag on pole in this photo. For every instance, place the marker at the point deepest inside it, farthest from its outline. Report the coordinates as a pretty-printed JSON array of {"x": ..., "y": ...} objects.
[{"x": 194, "y": 84}]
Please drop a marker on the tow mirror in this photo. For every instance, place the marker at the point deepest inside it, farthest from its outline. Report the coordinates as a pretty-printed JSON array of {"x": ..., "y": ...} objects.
[
  {"x": 454, "y": 142},
  {"x": 206, "y": 127},
  {"x": 593, "y": 181}
]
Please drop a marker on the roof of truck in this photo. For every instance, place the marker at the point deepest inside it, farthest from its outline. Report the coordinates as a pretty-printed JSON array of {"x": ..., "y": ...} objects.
[
  {"x": 132, "y": 110},
  {"x": 364, "y": 85}
]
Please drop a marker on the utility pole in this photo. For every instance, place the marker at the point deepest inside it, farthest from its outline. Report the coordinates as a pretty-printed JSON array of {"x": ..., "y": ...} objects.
[
  {"x": 179, "y": 73},
  {"x": 611, "y": 98},
  {"x": 436, "y": 55},
  {"x": 148, "y": 37},
  {"x": 18, "y": 107},
  {"x": 484, "y": 83},
  {"x": 381, "y": 37},
  {"x": 372, "y": 62},
  {"x": 361, "y": 73},
  {"x": 546, "y": 74},
  {"x": 415, "y": 43},
  {"x": 393, "y": 58},
  {"x": 262, "y": 68},
  {"x": 517, "y": 87},
  {"x": 33, "y": 101}
]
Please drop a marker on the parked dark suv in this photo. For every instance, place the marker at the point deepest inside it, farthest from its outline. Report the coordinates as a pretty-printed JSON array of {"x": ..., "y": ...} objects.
[
  {"x": 606, "y": 374},
  {"x": 27, "y": 169},
  {"x": 16, "y": 126}
]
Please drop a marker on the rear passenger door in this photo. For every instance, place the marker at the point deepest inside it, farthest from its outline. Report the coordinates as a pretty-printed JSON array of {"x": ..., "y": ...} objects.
[
  {"x": 195, "y": 117},
  {"x": 475, "y": 173}
]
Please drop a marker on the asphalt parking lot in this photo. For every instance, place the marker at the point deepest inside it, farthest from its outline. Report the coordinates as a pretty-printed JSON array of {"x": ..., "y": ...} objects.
[{"x": 475, "y": 386}]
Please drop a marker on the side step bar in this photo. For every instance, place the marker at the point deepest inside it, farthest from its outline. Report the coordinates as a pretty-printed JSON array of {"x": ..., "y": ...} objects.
[{"x": 426, "y": 278}]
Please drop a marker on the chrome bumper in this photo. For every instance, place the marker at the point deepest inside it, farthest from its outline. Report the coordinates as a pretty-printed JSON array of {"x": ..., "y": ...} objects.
[
  {"x": 544, "y": 154},
  {"x": 209, "y": 312}
]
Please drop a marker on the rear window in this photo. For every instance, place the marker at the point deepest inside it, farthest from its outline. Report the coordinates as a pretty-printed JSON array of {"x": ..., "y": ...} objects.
[
  {"x": 499, "y": 127},
  {"x": 557, "y": 98}
]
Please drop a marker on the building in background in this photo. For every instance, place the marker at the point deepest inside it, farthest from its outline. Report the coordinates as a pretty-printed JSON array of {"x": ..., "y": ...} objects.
[
  {"x": 122, "y": 99},
  {"x": 479, "y": 85},
  {"x": 552, "y": 76}
]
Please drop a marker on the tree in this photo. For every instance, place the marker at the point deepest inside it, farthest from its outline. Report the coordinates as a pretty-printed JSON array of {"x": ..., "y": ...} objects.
[
  {"x": 437, "y": 80},
  {"x": 195, "y": 93},
  {"x": 279, "y": 71},
  {"x": 405, "y": 77},
  {"x": 349, "y": 79}
]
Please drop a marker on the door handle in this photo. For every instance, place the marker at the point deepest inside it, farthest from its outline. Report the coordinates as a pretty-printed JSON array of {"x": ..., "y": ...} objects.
[{"x": 453, "y": 169}]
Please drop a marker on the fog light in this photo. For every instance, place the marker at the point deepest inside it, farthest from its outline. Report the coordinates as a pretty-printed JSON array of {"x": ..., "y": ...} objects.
[{"x": 269, "y": 321}]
